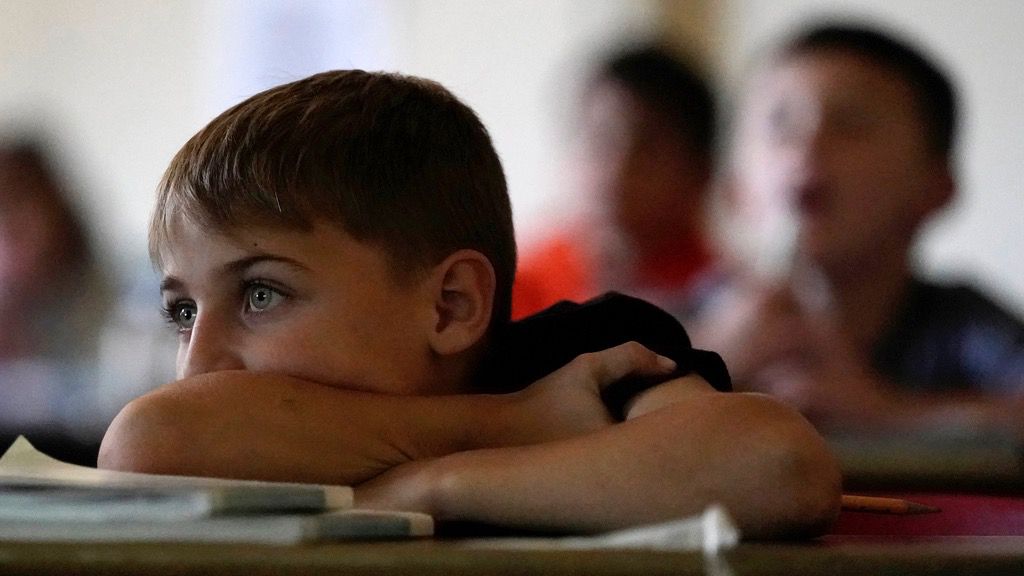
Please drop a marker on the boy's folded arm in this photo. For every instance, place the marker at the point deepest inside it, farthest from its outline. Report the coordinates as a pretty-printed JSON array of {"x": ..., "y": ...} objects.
[
  {"x": 264, "y": 426},
  {"x": 761, "y": 460},
  {"x": 683, "y": 447}
]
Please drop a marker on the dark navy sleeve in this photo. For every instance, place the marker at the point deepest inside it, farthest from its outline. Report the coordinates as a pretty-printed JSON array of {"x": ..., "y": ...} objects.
[
  {"x": 527, "y": 350},
  {"x": 952, "y": 338}
]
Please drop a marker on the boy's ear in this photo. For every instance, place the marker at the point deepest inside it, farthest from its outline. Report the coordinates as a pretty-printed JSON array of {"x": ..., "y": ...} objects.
[{"x": 463, "y": 288}]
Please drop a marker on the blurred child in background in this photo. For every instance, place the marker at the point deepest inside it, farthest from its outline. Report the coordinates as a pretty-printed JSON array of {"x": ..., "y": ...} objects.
[
  {"x": 64, "y": 369},
  {"x": 648, "y": 127},
  {"x": 849, "y": 133}
]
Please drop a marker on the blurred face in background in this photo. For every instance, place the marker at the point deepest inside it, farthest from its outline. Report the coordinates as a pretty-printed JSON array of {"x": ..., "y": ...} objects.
[
  {"x": 647, "y": 178},
  {"x": 32, "y": 230},
  {"x": 834, "y": 143}
]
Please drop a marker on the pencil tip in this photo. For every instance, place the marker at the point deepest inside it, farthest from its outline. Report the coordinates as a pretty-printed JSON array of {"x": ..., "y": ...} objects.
[{"x": 915, "y": 508}]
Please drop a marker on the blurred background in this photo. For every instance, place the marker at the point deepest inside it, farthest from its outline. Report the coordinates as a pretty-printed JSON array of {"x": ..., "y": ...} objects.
[
  {"x": 115, "y": 87},
  {"x": 120, "y": 85}
]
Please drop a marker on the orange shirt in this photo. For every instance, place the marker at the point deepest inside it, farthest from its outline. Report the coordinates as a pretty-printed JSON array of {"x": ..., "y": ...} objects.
[{"x": 565, "y": 269}]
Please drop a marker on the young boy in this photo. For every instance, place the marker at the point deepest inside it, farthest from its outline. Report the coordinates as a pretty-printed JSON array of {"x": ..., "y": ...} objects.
[
  {"x": 850, "y": 133},
  {"x": 338, "y": 258}
]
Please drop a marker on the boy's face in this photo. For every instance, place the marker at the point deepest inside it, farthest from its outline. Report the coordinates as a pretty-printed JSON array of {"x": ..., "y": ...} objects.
[
  {"x": 30, "y": 235},
  {"x": 315, "y": 305},
  {"x": 835, "y": 144},
  {"x": 638, "y": 164}
]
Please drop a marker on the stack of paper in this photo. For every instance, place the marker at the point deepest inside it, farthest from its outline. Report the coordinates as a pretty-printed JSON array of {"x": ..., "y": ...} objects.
[{"x": 45, "y": 499}]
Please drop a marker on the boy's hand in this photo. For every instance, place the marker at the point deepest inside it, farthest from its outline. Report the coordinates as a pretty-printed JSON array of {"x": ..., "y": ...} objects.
[{"x": 568, "y": 402}]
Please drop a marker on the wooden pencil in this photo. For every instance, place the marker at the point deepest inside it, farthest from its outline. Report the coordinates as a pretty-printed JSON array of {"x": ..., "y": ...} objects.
[{"x": 884, "y": 505}]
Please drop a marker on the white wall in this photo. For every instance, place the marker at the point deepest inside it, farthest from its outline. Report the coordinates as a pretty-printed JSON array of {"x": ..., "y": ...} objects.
[{"x": 981, "y": 43}]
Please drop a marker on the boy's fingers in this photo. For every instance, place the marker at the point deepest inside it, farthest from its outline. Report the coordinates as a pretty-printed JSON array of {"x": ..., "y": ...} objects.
[{"x": 608, "y": 366}]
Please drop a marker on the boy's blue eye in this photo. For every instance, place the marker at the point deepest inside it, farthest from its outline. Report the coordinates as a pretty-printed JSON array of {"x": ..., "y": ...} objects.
[
  {"x": 182, "y": 314},
  {"x": 260, "y": 297}
]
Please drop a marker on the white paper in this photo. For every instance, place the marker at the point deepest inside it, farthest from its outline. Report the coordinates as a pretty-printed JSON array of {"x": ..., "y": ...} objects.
[
  {"x": 710, "y": 532},
  {"x": 23, "y": 461}
]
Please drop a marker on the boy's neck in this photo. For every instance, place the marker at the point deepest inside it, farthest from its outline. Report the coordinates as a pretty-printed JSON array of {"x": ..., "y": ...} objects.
[
  {"x": 456, "y": 374},
  {"x": 868, "y": 295}
]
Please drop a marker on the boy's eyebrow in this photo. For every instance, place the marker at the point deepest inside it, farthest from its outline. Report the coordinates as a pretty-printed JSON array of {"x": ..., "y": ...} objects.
[
  {"x": 172, "y": 283},
  {"x": 242, "y": 264}
]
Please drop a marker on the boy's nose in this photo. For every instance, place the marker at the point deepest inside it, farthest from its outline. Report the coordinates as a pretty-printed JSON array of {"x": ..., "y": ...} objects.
[
  {"x": 209, "y": 349},
  {"x": 814, "y": 149}
]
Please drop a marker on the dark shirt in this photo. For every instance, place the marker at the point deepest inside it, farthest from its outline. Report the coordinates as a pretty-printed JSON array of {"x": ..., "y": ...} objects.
[
  {"x": 526, "y": 350},
  {"x": 952, "y": 338}
]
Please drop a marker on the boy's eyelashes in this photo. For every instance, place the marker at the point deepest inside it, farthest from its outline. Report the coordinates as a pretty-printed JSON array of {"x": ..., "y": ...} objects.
[
  {"x": 181, "y": 313},
  {"x": 257, "y": 297}
]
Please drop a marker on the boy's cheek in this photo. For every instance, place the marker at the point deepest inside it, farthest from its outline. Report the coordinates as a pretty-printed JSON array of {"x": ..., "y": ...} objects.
[
  {"x": 309, "y": 363},
  {"x": 335, "y": 354}
]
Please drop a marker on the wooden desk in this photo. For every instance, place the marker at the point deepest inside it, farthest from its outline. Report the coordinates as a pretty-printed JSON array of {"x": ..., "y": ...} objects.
[
  {"x": 942, "y": 461},
  {"x": 835, "y": 556}
]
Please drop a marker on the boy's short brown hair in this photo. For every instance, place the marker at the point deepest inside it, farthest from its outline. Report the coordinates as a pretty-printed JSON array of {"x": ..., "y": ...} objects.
[
  {"x": 396, "y": 161},
  {"x": 934, "y": 93}
]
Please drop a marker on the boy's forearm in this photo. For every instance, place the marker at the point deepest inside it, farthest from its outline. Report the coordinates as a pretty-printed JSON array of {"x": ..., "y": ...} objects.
[
  {"x": 248, "y": 425},
  {"x": 265, "y": 426},
  {"x": 762, "y": 461}
]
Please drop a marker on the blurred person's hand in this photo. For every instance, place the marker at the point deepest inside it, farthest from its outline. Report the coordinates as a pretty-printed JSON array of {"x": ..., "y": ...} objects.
[
  {"x": 776, "y": 342},
  {"x": 825, "y": 377},
  {"x": 752, "y": 326}
]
